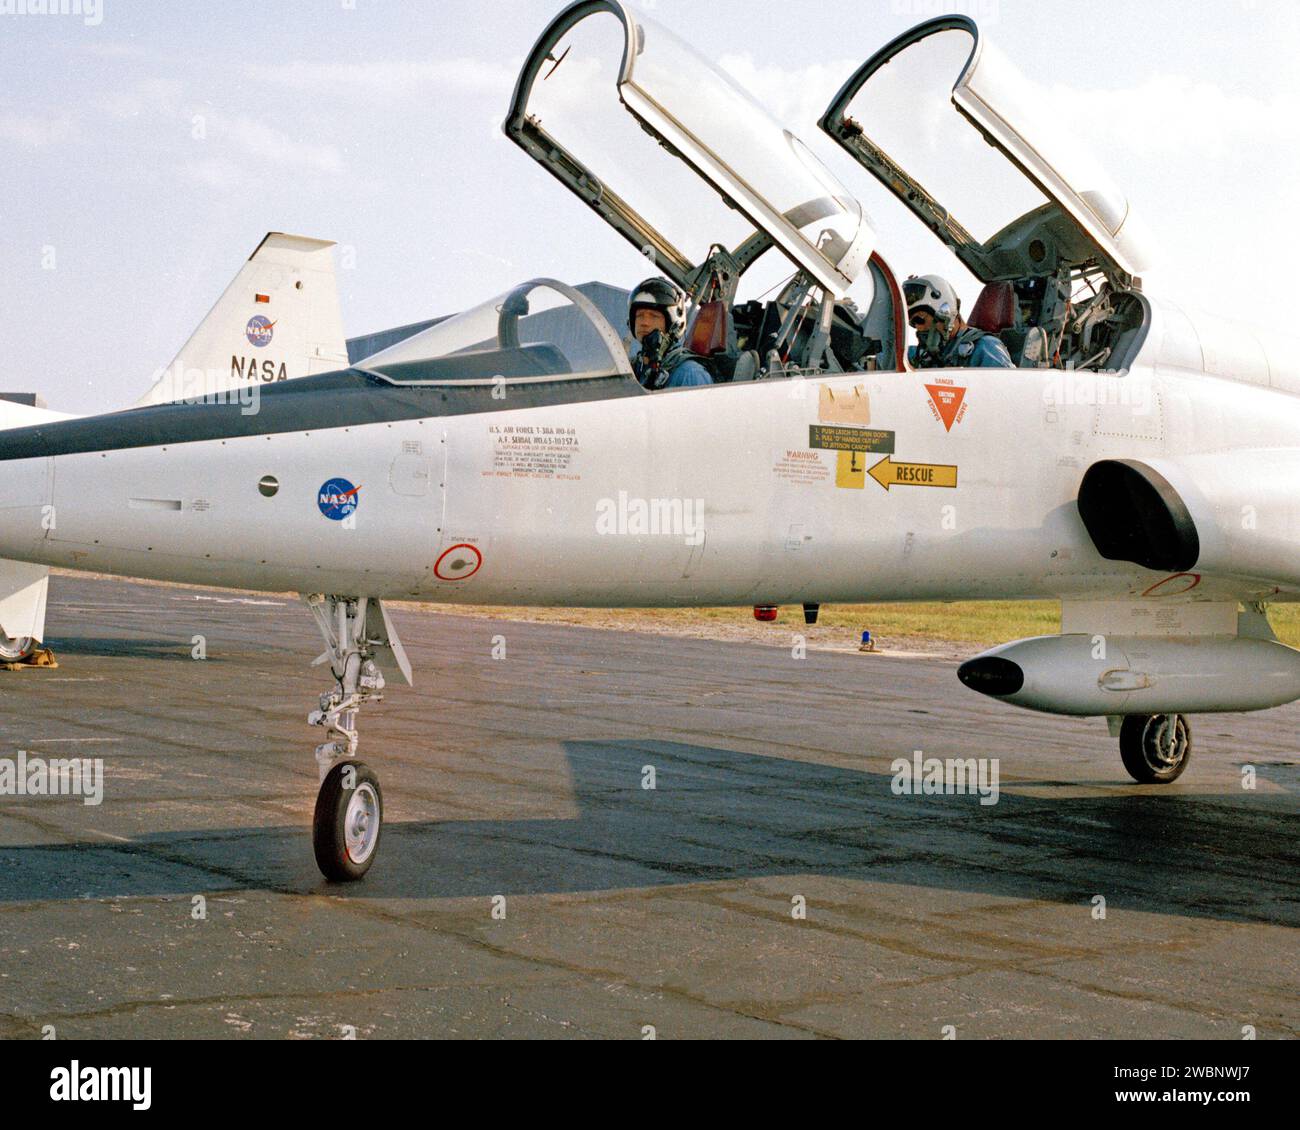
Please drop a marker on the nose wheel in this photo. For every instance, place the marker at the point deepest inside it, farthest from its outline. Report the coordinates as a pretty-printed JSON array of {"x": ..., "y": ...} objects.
[
  {"x": 349, "y": 817},
  {"x": 1155, "y": 748},
  {"x": 349, "y": 807}
]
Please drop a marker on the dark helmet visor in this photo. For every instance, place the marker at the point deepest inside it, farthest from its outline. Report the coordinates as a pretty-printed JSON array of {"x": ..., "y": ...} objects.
[{"x": 914, "y": 292}]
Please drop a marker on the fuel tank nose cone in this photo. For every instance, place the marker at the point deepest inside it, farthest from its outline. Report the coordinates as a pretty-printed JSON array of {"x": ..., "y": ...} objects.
[{"x": 992, "y": 675}]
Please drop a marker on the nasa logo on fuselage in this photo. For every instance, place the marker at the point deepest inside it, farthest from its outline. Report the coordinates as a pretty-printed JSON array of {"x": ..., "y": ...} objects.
[
  {"x": 259, "y": 330},
  {"x": 337, "y": 498}
]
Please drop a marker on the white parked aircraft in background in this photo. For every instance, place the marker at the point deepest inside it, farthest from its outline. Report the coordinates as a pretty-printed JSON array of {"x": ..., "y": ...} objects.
[{"x": 1141, "y": 465}]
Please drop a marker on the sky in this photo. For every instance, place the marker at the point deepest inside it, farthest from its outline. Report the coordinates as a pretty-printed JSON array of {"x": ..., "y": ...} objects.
[{"x": 147, "y": 147}]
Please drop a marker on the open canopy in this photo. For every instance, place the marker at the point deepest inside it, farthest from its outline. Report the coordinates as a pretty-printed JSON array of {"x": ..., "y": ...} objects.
[
  {"x": 918, "y": 115},
  {"x": 605, "y": 83}
]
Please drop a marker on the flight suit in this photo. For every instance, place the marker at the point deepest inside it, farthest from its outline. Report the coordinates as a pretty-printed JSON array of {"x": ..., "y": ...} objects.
[
  {"x": 676, "y": 371},
  {"x": 969, "y": 349}
]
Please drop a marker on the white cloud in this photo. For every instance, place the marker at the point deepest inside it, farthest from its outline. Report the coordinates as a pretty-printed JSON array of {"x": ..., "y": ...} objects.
[
  {"x": 214, "y": 172},
  {"x": 796, "y": 96},
  {"x": 165, "y": 101},
  {"x": 154, "y": 95},
  {"x": 34, "y": 132},
  {"x": 1173, "y": 112},
  {"x": 115, "y": 50},
  {"x": 257, "y": 139},
  {"x": 390, "y": 78},
  {"x": 1164, "y": 113}
]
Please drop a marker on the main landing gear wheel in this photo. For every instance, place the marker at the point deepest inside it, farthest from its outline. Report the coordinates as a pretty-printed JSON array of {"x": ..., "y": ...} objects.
[
  {"x": 349, "y": 818},
  {"x": 1155, "y": 748},
  {"x": 15, "y": 650}
]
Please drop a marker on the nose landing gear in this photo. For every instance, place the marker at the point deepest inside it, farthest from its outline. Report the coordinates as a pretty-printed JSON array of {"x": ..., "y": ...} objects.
[
  {"x": 350, "y": 805},
  {"x": 1155, "y": 748}
]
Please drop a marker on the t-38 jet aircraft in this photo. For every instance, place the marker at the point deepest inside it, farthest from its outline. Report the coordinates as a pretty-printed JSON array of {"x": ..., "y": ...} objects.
[{"x": 1139, "y": 463}]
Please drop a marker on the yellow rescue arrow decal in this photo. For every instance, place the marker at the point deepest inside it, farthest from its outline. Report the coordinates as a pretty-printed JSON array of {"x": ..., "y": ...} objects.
[{"x": 888, "y": 473}]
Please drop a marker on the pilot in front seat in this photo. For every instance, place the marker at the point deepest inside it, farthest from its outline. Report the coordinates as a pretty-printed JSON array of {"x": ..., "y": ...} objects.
[
  {"x": 656, "y": 315},
  {"x": 944, "y": 340}
]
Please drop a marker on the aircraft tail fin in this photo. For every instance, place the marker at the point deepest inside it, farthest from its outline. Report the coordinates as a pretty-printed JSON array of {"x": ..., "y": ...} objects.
[
  {"x": 279, "y": 319},
  {"x": 23, "y": 591}
]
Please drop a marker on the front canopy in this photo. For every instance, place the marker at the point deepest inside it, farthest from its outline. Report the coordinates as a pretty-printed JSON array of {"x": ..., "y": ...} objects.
[{"x": 605, "y": 83}]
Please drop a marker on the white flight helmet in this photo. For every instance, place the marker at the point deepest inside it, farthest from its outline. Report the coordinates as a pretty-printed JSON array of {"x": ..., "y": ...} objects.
[
  {"x": 663, "y": 295},
  {"x": 933, "y": 295}
]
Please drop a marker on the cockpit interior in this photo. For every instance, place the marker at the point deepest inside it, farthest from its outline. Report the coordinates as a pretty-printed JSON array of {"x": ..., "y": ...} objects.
[{"x": 681, "y": 161}]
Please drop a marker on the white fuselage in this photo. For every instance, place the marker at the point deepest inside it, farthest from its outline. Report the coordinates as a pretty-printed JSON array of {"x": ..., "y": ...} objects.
[{"x": 690, "y": 497}]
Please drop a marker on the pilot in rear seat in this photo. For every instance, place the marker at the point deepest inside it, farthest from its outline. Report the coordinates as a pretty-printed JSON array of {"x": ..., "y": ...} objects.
[
  {"x": 944, "y": 340},
  {"x": 656, "y": 315}
]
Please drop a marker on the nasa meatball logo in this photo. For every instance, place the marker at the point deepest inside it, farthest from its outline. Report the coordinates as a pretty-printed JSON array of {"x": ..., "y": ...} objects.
[
  {"x": 259, "y": 330},
  {"x": 337, "y": 499}
]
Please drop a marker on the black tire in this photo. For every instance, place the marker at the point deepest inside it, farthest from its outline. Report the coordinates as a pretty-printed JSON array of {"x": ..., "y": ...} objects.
[
  {"x": 15, "y": 650},
  {"x": 350, "y": 791},
  {"x": 1145, "y": 747}
]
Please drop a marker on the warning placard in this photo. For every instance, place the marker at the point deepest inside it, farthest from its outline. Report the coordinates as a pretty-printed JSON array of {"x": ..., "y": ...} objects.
[
  {"x": 837, "y": 438},
  {"x": 948, "y": 403},
  {"x": 796, "y": 466},
  {"x": 533, "y": 452}
]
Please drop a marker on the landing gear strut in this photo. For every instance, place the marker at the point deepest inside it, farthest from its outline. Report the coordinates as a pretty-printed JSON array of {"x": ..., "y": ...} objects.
[
  {"x": 1155, "y": 748},
  {"x": 350, "y": 806}
]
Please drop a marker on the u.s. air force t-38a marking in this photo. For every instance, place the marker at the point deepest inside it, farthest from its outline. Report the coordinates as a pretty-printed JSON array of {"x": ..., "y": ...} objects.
[{"x": 1141, "y": 463}]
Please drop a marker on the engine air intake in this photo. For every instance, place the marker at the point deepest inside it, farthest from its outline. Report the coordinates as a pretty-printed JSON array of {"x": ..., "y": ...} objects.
[{"x": 1133, "y": 514}]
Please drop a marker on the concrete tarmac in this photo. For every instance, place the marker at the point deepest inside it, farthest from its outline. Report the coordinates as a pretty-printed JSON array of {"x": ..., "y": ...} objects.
[{"x": 771, "y": 884}]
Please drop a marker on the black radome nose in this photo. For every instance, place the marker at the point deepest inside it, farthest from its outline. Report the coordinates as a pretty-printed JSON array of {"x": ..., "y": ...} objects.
[{"x": 992, "y": 675}]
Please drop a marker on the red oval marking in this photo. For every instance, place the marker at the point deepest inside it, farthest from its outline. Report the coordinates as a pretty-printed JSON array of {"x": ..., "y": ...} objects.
[
  {"x": 1195, "y": 578},
  {"x": 476, "y": 557}
]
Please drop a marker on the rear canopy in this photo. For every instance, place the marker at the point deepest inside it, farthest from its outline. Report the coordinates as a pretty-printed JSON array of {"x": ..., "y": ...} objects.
[{"x": 985, "y": 158}]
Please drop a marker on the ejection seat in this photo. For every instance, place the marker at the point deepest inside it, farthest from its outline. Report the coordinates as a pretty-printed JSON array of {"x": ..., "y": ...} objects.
[
  {"x": 994, "y": 312},
  {"x": 706, "y": 342}
]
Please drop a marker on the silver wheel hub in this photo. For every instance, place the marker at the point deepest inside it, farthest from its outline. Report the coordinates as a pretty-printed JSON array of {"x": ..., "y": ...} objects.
[
  {"x": 361, "y": 822},
  {"x": 1165, "y": 741}
]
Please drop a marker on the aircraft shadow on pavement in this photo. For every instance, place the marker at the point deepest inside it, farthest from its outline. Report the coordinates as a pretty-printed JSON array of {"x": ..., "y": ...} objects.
[
  {"x": 119, "y": 647},
  {"x": 718, "y": 814}
]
